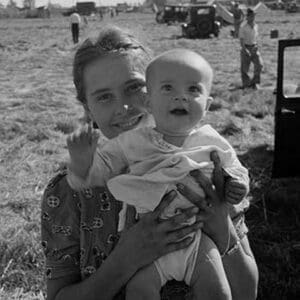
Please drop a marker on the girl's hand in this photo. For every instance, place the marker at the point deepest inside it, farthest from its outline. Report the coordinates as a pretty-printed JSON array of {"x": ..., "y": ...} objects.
[
  {"x": 213, "y": 209},
  {"x": 82, "y": 145},
  {"x": 152, "y": 237}
]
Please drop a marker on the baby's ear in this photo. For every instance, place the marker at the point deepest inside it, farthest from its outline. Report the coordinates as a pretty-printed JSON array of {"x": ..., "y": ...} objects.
[{"x": 208, "y": 103}]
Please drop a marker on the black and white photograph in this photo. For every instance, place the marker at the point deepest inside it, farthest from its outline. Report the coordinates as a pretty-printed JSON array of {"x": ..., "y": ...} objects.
[{"x": 149, "y": 149}]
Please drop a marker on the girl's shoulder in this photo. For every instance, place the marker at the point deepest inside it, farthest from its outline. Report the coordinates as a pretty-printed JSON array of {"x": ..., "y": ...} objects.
[
  {"x": 74, "y": 224},
  {"x": 58, "y": 189},
  {"x": 59, "y": 200}
]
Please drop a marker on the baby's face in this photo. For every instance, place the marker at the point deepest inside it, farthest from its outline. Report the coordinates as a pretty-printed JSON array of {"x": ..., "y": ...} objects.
[{"x": 179, "y": 95}]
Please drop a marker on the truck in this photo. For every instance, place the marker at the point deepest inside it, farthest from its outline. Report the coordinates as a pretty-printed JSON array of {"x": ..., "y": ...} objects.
[{"x": 86, "y": 8}]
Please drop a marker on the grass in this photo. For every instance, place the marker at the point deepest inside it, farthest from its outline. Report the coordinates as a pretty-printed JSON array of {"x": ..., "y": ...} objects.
[{"x": 38, "y": 109}]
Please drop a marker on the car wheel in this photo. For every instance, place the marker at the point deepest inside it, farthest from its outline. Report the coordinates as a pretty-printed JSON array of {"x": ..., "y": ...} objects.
[{"x": 191, "y": 32}]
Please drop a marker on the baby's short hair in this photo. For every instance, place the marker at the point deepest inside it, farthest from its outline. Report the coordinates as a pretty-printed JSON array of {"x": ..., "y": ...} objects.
[{"x": 173, "y": 55}]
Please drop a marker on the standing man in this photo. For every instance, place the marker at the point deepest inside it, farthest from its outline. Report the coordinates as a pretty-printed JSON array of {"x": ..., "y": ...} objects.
[
  {"x": 75, "y": 21},
  {"x": 249, "y": 51},
  {"x": 238, "y": 17}
]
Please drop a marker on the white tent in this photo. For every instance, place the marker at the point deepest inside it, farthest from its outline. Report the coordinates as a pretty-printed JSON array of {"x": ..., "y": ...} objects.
[
  {"x": 261, "y": 9},
  {"x": 224, "y": 13}
]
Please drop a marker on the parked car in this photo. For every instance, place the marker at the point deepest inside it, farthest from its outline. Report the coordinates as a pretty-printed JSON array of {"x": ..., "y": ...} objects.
[
  {"x": 172, "y": 13},
  {"x": 286, "y": 161},
  {"x": 291, "y": 7},
  {"x": 202, "y": 22}
]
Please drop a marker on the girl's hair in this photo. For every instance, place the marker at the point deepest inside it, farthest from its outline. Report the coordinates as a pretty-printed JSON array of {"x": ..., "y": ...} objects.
[{"x": 110, "y": 40}]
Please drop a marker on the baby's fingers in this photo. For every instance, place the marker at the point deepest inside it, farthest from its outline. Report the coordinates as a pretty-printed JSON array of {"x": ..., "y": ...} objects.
[{"x": 234, "y": 197}]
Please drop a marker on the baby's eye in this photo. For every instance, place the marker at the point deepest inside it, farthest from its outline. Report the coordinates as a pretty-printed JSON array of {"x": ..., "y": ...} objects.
[
  {"x": 195, "y": 89},
  {"x": 105, "y": 97},
  {"x": 166, "y": 87}
]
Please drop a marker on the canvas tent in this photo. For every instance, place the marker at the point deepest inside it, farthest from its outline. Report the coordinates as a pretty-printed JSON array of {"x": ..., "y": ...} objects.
[{"x": 261, "y": 9}]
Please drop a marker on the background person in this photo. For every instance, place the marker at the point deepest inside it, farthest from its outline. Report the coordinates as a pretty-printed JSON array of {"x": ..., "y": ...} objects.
[
  {"x": 248, "y": 35},
  {"x": 84, "y": 257},
  {"x": 75, "y": 21},
  {"x": 238, "y": 17}
]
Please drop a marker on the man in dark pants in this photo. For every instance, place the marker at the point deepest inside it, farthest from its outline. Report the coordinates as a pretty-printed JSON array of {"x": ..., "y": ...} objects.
[
  {"x": 75, "y": 21},
  {"x": 249, "y": 52}
]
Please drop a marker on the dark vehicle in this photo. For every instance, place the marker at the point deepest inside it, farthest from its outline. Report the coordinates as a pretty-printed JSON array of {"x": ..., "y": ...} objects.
[
  {"x": 172, "y": 13},
  {"x": 291, "y": 7},
  {"x": 86, "y": 8},
  {"x": 201, "y": 22},
  {"x": 287, "y": 111},
  {"x": 121, "y": 7},
  {"x": 68, "y": 12}
]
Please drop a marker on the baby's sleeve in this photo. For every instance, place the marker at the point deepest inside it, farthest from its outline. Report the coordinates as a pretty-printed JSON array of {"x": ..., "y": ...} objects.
[
  {"x": 108, "y": 162},
  {"x": 60, "y": 231}
]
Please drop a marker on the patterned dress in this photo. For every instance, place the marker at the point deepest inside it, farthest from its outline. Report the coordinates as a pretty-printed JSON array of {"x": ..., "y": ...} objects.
[{"x": 79, "y": 230}]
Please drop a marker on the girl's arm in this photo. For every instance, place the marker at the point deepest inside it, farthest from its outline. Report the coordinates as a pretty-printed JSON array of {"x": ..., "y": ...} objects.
[
  {"x": 139, "y": 246},
  {"x": 240, "y": 267},
  {"x": 105, "y": 283}
]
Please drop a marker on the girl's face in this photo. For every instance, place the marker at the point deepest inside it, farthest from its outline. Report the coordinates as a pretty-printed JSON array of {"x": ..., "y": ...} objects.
[{"x": 115, "y": 94}]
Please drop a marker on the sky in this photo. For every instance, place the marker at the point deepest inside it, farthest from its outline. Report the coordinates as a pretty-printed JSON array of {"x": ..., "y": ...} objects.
[{"x": 67, "y": 3}]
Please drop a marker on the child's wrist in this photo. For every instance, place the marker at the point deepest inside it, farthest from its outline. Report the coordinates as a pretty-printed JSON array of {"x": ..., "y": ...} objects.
[{"x": 78, "y": 170}]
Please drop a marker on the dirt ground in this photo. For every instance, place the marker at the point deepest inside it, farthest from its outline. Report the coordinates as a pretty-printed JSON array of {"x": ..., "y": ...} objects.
[{"x": 38, "y": 109}]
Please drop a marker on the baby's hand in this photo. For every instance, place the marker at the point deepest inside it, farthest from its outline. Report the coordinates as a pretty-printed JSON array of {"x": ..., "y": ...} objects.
[
  {"x": 82, "y": 146},
  {"x": 235, "y": 190}
]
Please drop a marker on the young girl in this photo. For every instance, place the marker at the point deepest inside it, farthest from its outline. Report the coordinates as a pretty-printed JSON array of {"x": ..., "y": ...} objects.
[{"x": 156, "y": 158}]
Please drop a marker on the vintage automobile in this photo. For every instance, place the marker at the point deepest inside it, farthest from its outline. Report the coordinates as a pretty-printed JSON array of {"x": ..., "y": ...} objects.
[
  {"x": 201, "y": 23},
  {"x": 286, "y": 161},
  {"x": 172, "y": 13},
  {"x": 291, "y": 7}
]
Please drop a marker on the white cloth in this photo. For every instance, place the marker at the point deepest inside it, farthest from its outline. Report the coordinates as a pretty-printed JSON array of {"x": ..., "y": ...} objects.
[
  {"x": 150, "y": 168},
  {"x": 249, "y": 34},
  {"x": 179, "y": 265},
  {"x": 75, "y": 18}
]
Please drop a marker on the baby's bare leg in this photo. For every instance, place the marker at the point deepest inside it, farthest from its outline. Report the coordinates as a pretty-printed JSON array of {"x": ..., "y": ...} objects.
[
  {"x": 209, "y": 281},
  {"x": 145, "y": 284}
]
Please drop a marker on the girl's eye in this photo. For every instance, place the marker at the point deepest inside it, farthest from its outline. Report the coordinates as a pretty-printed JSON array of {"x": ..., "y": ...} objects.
[
  {"x": 105, "y": 97},
  {"x": 166, "y": 87},
  {"x": 195, "y": 89},
  {"x": 135, "y": 87}
]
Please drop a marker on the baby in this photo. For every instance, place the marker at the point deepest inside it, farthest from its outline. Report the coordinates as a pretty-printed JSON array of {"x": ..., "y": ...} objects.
[{"x": 153, "y": 159}]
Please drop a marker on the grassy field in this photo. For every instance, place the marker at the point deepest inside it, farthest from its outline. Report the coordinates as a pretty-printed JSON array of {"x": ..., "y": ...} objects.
[{"x": 38, "y": 109}]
